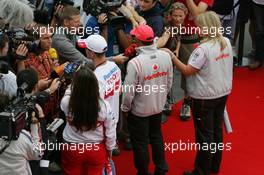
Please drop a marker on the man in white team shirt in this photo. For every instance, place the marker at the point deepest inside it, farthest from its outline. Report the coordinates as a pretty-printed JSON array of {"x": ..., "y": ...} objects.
[{"x": 107, "y": 73}]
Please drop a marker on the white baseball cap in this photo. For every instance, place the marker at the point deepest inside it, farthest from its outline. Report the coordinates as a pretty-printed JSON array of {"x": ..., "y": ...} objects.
[{"x": 95, "y": 43}]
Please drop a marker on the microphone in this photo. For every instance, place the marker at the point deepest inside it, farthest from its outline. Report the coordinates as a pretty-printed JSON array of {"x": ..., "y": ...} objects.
[
  {"x": 53, "y": 53},
  {"x": 58, "y": 71}
]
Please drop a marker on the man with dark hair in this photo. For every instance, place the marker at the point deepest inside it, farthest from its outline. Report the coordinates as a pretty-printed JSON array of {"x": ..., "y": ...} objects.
[
  {"x": 28, "y": 78},
  {"x": 152, "y": 12},
  {"x": 147, "y": 83},
  {"x": 15, "y": 158}
]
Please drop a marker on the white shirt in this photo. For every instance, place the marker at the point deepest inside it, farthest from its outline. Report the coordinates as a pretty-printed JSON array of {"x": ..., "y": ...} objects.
[
  {"x": 260, "y": 2},
  {"x": 14, "y": 160},
  {"x": 8, "y": 84},
  {"x": 214, "y": 78},
  {"x": 70, "y": 133},
  {"x": 109, "y": 79}
]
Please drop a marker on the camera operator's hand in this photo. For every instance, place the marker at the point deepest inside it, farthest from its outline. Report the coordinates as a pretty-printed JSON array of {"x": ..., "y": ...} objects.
[
  {"x": 22, "y": 50},
  {"x": 43, "y": 84},
  {"x": 102, "y": 18},
  {"x": 58, "y": 9},
  {"x": 40, "y": 111},
  {"x": 34, "y": 119},
  {"x": 54, "y": 85}
]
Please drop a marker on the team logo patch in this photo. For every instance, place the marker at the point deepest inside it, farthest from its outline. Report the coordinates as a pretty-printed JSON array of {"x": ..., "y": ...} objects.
[{"x": 155, "y": 67}]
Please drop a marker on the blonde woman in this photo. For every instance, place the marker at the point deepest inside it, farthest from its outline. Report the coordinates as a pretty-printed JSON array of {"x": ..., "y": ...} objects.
[
  {"x": 171, "y": 39},
  {"x": 209, "y": 81}
]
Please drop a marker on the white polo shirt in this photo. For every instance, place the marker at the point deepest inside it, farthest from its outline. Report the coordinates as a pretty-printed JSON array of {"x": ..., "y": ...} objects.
[
  {"x": 260, "y": 2},
  {"x": 109, "y": 79},
  {"x": 70, "y": 134},
  {"x": 215, "y": 75}
]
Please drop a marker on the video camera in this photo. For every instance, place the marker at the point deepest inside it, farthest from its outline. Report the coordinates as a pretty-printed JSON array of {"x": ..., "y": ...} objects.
[
  {"x": 17, "y": 115},
  {"x": 20, "y": 36},
  {"x": 96, "y": 7}
]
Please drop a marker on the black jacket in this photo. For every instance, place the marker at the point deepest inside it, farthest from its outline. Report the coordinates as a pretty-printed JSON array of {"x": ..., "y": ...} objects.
[{"x": 154, "y": 18}]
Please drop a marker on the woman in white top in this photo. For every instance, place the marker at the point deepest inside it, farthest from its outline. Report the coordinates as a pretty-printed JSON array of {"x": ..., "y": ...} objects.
[
  {"x": 89, "y": 133},
  {"x": 209, "y": 81}
]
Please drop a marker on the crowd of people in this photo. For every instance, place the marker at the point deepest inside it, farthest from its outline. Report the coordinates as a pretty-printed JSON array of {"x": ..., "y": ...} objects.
[{"x": 107, "y": 69}]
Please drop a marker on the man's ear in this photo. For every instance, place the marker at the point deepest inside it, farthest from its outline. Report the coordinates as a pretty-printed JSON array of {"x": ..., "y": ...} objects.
[{"x": 66, "y": 22}]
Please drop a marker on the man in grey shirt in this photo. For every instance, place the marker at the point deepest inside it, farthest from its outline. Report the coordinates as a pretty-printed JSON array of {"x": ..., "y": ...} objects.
[
  {"x": 147, "y": 83},
  {"x": 65, "y": 38}
]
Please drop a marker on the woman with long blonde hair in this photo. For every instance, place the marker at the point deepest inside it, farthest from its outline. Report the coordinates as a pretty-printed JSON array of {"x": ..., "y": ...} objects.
[{"x": 209, "y": 75}]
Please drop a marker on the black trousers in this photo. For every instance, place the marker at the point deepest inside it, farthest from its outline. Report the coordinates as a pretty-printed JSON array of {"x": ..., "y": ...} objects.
[
  {"x": 259, "y": 15},
  {"x": 145, "y": 130},
  {"x": 208, "y": 122}
]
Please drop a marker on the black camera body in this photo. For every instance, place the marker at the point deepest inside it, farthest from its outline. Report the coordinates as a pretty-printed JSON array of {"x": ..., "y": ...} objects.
[
  {"x": 20, "y": 36},
  {"x": 16, "y": 116},
  {"x": 4, "y": 67},
  {"x": 96, "y": 7}
]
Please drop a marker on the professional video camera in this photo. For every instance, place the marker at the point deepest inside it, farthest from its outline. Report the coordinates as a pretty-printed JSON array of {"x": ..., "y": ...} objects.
[
  {"x": 19, "y": 36},
  {"x": 17, "y": 115},
  {"x": 96, "y": 7}
]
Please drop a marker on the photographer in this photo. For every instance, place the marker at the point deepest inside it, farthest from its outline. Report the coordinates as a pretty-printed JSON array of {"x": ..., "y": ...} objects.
[
  {"x": 113, "y": 26},
  {"x": 7, "y": 77},
  {"x": 15, "y": 158},
  {"x": 30, "y": 77},
  {"x": 152, "y": 12},
  {"x": 13, "y": 57}
]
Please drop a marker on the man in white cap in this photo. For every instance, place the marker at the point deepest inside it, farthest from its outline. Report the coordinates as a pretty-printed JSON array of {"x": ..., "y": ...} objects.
[{"x": 107, "y": 72}]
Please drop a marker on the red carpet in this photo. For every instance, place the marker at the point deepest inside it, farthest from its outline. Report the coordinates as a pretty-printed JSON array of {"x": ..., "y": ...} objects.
[{"x": 246, "y": 112}]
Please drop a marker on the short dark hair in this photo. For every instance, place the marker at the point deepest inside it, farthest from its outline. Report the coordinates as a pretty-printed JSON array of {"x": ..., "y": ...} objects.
[
  {"x": 84, "y": 101},
  {"x": 28, "y": 76},
  {"x": 3, "y": 40},
  {"x": 100, "y": 54},
  {"x": 147, "y": 43},
  {"x": 67, "y": 13},
  {"x": 4, "y": 100}
]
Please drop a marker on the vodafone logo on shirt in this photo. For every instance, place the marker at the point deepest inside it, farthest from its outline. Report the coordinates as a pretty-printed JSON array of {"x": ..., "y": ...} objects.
[{"x": 155, "y": 67}]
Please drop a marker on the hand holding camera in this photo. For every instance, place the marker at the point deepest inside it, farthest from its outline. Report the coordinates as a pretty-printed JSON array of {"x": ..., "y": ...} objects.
[
  {"x": 22, "y": 50},
  {"x": 102, "y": 18},
  {"x": 34, "y": 119}
]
